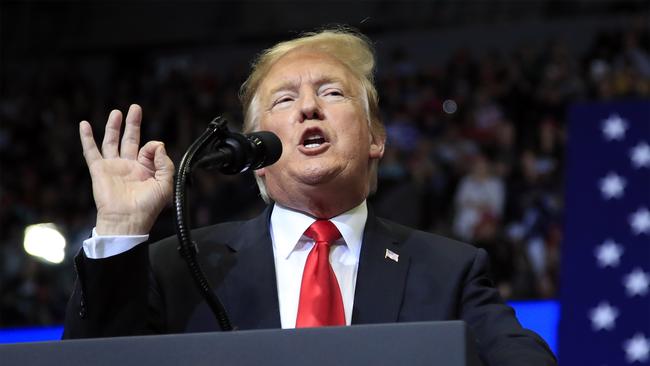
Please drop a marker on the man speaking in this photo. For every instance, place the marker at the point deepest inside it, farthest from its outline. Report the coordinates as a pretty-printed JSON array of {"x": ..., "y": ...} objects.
[{"x": 316, "y": 256}]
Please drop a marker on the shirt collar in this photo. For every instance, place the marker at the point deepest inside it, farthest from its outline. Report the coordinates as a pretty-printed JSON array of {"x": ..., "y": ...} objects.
[{"x": 288, "y": 226}]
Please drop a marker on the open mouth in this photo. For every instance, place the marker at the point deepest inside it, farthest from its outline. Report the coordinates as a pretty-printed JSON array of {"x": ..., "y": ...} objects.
[
  {"x": 313, "y": 142},
  {"x": 313, "y": 138}
]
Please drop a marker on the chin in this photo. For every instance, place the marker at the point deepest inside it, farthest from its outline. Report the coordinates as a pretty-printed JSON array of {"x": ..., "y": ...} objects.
[
  {"x": 316, "y": 179},
  {"x": 318, "y": 174}
]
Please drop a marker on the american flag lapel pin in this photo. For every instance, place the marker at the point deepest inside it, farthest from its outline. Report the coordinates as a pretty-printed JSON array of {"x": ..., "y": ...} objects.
[{"x": 391, "y": 255}]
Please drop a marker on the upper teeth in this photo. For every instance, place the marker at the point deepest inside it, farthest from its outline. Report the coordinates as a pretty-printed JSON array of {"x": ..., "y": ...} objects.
[{"x": 313, "y": 141}]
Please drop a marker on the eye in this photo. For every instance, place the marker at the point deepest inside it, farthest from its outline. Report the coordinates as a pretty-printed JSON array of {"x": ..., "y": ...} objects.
[
  {"x": 333, "y": 93},
  {"x": 282, "y": 100}
]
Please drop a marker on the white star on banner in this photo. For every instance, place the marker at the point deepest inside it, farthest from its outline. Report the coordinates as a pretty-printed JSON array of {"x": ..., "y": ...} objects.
[
  {"x": 640, "y": 221},
  {"x": 609, "y": 253},
  {"x": 614, "y": 127},
  {"x": 640, "y": 155},
  {"x": 637, "y": 348},
  {"x": 612, "y": 186},
  {"x": 603, "y": 316},
  {"x": 636, "y": 282}
]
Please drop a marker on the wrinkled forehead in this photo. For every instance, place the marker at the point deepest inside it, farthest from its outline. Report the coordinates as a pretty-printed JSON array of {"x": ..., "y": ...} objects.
[{"x": 306, "y": 66}]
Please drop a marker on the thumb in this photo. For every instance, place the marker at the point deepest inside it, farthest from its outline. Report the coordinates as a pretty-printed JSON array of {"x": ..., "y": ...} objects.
[{"x": 164, "y": 165}]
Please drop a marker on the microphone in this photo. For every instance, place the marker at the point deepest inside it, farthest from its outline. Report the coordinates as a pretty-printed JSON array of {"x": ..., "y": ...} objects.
[
  {"x": 231, "y": 153},
  {"x": 239, "y": 153}
]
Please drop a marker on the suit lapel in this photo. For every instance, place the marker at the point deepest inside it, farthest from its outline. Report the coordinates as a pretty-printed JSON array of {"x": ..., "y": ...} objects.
[
  {"x": 252, "y": 300},
  {"x": 383, "y": 266},
  {"x": 250, "y": 289}
]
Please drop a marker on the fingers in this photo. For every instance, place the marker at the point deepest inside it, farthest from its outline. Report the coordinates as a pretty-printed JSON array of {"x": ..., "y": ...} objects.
[
  {"x": 131, "y": 139},
  {"x": 112, "y": 135},
  {"x": 90, "y": 151},
  {"x": 148, "y": 153},
  {"x": 154, "y": 156}
]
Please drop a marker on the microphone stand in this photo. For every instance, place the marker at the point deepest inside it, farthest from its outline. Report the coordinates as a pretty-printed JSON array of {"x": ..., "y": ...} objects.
[{"x": 216, "y": 132}]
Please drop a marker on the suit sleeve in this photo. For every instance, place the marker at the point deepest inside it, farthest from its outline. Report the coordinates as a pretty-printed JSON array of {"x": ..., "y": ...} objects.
[
  {"x": 114, "y": 296},
  {"x": 501, "y": 339}
]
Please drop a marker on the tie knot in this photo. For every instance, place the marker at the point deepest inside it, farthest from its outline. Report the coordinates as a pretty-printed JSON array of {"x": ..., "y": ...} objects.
[{"x": 323, "y": 231}]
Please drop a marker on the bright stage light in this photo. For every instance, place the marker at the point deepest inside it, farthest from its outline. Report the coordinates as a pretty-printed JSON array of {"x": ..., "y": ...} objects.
[{"x": 45, "y": 242}]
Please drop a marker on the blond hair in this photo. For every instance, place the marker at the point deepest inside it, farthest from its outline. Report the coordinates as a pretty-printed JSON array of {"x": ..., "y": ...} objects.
[{"x": 349, "y": 47}]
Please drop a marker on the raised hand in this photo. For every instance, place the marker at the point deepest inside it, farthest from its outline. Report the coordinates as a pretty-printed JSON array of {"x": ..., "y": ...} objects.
[{"x": 131, "y": 185}]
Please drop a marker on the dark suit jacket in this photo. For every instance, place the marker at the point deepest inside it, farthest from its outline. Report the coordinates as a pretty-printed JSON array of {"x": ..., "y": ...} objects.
[{"x": 149, "y": 290}]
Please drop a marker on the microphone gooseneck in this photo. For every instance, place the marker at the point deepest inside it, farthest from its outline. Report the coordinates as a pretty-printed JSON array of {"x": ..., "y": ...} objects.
[{"x": 231, "y": 153}]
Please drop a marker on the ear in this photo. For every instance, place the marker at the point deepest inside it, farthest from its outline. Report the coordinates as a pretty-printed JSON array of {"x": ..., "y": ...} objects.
[
  {"x": 377, "y": 145},
  {"x": 260, "y": 172}
]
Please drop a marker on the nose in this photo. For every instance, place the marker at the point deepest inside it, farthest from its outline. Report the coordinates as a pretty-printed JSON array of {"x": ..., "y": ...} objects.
[{"x": 310, "y": 108}]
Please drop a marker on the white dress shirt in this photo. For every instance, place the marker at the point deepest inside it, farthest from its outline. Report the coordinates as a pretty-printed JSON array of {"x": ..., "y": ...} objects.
[
  {"x": 291, "y": 248},
  {"x": 290, "y": 251},
  {"x": 104, "y": 246}
]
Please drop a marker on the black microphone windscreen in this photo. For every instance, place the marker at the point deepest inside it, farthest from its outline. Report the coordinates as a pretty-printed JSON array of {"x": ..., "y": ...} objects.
[{"x": 267, "y": 148}]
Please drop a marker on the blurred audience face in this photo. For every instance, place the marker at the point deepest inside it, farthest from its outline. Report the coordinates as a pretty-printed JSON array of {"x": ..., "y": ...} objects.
[{"x": 480, "y": 168}]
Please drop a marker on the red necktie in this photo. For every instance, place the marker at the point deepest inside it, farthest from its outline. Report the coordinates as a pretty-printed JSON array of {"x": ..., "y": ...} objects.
[{"x": 320, "y": 297}]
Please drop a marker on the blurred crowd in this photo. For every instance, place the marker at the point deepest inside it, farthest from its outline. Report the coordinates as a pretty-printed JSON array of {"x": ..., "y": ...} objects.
[{"x": 475, "y": 152}]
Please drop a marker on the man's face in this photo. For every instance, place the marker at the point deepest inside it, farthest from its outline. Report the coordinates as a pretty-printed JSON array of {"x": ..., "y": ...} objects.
[{"x": 313, "y": 103}]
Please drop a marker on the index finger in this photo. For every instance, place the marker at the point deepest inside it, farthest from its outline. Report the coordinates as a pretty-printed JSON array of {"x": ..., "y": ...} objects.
[{"x": 90, "y": 150}]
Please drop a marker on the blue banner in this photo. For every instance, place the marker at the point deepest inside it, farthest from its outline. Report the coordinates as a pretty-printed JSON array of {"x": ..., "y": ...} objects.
[{"x": 605, "y": 278}]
